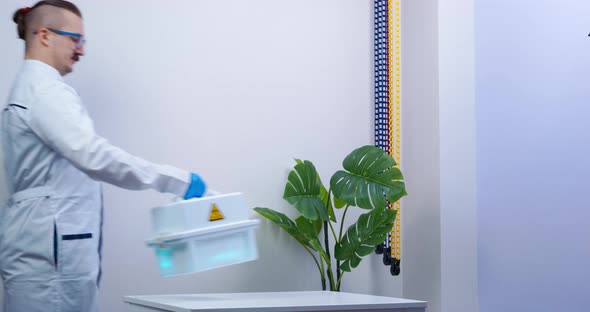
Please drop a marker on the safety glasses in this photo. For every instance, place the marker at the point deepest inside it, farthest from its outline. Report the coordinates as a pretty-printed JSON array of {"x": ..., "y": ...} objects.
[{"x": 78, "y": 39}]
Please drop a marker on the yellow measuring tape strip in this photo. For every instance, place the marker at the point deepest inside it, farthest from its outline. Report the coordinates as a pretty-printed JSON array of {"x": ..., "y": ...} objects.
[{"x": 394, "y": 42}]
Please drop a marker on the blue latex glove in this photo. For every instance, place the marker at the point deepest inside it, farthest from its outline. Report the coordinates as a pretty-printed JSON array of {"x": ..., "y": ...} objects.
[{"x": 196, "y": 188}]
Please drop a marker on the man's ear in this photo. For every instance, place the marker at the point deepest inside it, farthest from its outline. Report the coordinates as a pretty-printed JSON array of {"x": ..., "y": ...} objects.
[{"x": 44, "y": 37}]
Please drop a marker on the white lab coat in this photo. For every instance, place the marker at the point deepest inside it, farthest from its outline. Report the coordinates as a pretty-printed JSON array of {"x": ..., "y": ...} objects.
[{"x": 50, "y": 229}]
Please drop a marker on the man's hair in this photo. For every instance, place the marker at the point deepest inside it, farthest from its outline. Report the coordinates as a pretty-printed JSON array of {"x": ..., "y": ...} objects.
[{"x": 21, "y": 19}]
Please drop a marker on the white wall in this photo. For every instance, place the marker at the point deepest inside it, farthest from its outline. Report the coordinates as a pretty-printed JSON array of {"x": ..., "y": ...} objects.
[
  {"x": 232, "y": 90},
  {"x": 440, "y": 154},
  {"x": 421, "y": 252},
  {"x": 533, "y": 144},
  {"x": 458, "y": 210}
]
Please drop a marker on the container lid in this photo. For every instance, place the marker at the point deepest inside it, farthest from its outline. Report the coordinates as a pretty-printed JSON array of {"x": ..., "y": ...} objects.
[
  {"x": 180, "y": 236},
  {"x": 213, "y": 196}
]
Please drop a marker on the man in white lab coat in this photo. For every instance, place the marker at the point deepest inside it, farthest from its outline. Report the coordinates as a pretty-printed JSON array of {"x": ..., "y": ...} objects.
[{"x": 50, "y": 230}]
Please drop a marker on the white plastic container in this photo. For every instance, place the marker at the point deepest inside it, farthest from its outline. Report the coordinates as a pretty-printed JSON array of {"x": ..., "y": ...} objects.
[{"x": 203, "y": 233}]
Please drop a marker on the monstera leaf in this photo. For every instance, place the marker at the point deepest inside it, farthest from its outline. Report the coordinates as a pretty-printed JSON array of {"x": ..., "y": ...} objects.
[
  {"x": 311, "y": 231},
  {"x": 284, "y": 222},
  {"x": 305, "y": 231},
  {"x": 303, "y": 191},
  {"x": 360, "y": 239},
  {"x": 324, "y": 197},
  {"x": 323, "y": 194},
  {"x": 371, "y": 179}
]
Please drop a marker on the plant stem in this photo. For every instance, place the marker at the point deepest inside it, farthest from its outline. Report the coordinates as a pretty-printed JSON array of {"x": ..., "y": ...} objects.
[
  {"x": 339, "y": 272},
  {"x": 333, "y": 232},
  {"x": 342, "y": 222},
  {"x": 327, "y": 241},
  {"x": 322, "y": 274},
  {"x": 339, "y": 280},
  {"x": 328, "y": 206},
  {"x": 331, "y": 276},
  {"x": 327, "y": 244},
  {"x": 320, "y": 266}
]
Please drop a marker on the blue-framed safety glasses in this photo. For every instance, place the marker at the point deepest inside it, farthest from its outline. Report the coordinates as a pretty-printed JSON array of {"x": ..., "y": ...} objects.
[{"x": 77, "y": 38}]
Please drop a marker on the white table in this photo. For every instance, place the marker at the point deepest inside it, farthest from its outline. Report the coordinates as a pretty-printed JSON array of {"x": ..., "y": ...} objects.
[{"x": 308, "y": 301}]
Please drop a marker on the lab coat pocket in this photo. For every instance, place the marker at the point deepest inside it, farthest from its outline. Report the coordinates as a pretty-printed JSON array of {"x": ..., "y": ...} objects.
[
  {"x": 26, "y": 237},
  {"x": 77, "y": 243}
]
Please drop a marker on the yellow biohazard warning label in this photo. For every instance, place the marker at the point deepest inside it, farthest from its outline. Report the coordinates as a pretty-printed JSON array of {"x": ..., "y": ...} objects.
[{"x": 215, "y": 213}]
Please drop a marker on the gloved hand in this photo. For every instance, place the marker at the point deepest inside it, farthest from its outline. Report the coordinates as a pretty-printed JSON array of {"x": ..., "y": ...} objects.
[{"x": 196, "y": 188}]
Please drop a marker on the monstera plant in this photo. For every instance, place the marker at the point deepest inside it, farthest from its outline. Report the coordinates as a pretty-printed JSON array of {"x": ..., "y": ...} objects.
[{"x": 370, "y": 180}]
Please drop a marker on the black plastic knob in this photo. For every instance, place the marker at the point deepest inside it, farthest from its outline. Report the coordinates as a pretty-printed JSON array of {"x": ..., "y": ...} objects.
[
  {"x": 394, "y": 269},
  {"x": 379, "y": 249},
  {"x": 387, "y": 256}
]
